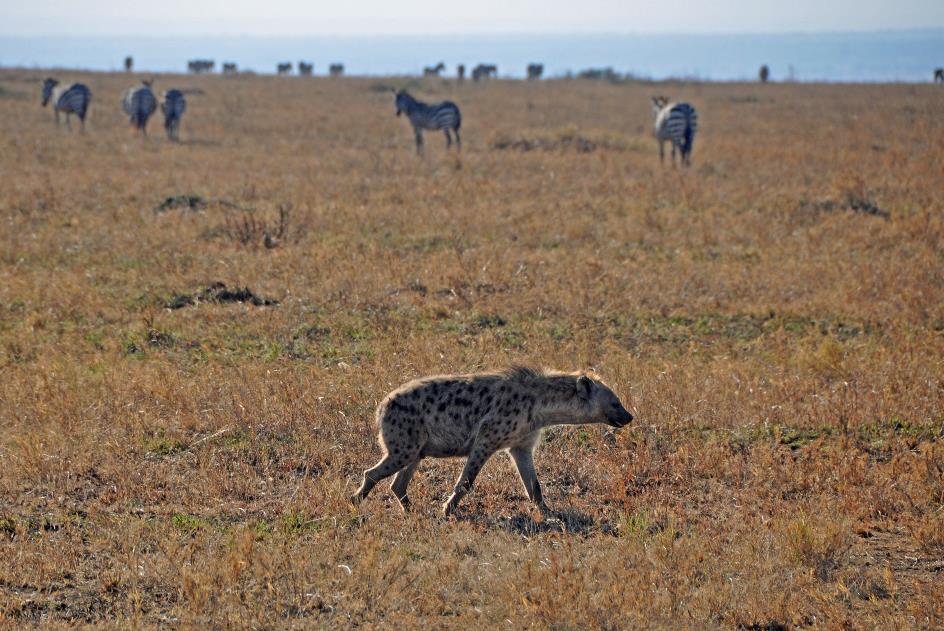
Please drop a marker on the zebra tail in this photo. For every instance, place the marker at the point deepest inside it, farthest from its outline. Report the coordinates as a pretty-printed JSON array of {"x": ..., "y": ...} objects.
[{"x": 688, "y": 138}]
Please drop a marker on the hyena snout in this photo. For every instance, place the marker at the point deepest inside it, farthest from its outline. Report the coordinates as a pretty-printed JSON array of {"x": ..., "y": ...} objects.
[{"x": 618, "y": 416}]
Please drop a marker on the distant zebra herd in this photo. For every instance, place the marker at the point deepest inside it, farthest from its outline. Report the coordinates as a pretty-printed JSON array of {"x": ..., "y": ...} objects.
[
  {"x": 139, "y": 103},
  {"x": 674, "y": 122}
]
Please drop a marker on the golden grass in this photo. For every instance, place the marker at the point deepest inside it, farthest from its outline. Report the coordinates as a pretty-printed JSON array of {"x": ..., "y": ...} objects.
[{"x": 779, "y": 337}]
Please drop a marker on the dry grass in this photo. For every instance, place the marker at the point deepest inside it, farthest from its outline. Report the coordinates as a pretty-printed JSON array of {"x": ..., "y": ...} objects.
[{"x": 781, "y": 341}]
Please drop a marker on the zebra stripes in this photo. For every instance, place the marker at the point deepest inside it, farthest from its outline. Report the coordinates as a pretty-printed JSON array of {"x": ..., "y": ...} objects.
[
  {"x": 71, "y": 99},
  {"x": 139, "y": 103},
  {"x": 676, "y": 122},
  {"x": 173, "y": 108},
  {"x": 444, "y": 116}
]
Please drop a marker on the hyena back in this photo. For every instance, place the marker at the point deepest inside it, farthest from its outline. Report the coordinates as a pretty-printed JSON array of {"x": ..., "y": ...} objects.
[{"x": 477, "y": 415}]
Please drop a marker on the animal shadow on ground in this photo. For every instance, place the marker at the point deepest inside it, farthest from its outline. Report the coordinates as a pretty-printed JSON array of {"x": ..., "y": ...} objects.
[{"x": 558, "y": 521}]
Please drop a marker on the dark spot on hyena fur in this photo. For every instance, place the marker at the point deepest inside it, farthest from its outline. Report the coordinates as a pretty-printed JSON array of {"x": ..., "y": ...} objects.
[{"x": 442, "y": 407}]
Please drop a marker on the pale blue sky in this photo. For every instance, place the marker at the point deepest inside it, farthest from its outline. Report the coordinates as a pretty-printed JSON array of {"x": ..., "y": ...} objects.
[{"x": 307, "y": 17}]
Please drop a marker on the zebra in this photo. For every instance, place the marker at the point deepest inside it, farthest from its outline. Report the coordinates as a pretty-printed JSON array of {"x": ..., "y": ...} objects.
[
  {"x": 460, "y": 72},
  {"x": 535, "y": 71},
  {"x": 139, "y": 103},
  {"x": 284, "y": 68},
  {"x": 444, "y": 116},
  {"x": 676, "y": 122},
  {"x": 305, "y": 69},
  {"x": 433, "y": 71},
  {"x": 71, "y": 99},
  {"x": 336, "y": 70},
  {"x": 764, "y": 73},
  {"x": 229, "y": 67},
  {"x": 199, "y": 66},
  {"x": 173, "y": 107},
  {"x": 129, "y": 63},
  {"x": 939, "y": 75},
  {"x": 484, "y": 71}
]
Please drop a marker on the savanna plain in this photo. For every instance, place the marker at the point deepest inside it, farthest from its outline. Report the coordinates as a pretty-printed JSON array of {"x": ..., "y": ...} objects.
[{"x": 194, "y": 337}]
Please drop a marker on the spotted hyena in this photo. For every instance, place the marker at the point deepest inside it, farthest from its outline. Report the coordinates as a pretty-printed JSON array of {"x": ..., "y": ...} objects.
[{"x": 477, "y": 415}]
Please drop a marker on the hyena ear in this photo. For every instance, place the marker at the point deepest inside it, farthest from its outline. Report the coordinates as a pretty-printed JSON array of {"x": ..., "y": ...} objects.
[{"x": 584, "y": 387}]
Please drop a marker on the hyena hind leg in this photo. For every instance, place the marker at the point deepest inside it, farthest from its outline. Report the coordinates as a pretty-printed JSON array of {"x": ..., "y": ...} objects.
[
  {"x": 387, "y": 466},
  {"x": 400, "y": 483}
]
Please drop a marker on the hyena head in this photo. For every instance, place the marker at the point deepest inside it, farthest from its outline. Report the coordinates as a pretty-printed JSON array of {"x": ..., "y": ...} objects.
[
  {"x": 48, "y": 85},
  {"x": 658, "y": 102},
  {"x": 601, "y": 404}
]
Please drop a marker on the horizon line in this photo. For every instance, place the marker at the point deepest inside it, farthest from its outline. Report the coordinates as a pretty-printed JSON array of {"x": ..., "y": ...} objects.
[{"x": 476, "y": 33}]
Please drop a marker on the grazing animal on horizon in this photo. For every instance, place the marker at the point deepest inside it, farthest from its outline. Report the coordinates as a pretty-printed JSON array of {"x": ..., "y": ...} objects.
[
  {"x": 484, "y": 71},
  {"x": 129, "y": 63},
  {"x": 139, "y": 103},
  {"x": 939, "y": 75},
  {"x": 305, "y": 69},
  {"x": 535, "y": 71},
  {"x": 433, "y": 71},
  {"x": 173, "y": 107},
  {"x": 764, "y": 73},
  {"x": 73, "y": 98},
  {"x": 284, "y": 68},
  {"x": 199, "y": 66},
  {"x": 675, "y": 122},
  {"x": 460, "y": 72},
  {"x": 336, "y": 70},
  {"x": 444, "y": 116},
  {"x": 478, "y": 415},
  {"x": 229, "y": 67}
]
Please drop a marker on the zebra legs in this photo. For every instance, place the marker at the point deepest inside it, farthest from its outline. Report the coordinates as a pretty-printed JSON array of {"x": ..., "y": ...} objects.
[
  {"x": 419, "y": 140},
  {"x": 449, "y": 139},
  {"x": 661, "y": 152}
]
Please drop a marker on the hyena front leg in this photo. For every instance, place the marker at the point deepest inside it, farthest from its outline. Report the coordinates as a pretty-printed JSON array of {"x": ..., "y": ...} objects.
[
  {"x": 473, "y": 465},
  {"x": 524, "y": 461}
]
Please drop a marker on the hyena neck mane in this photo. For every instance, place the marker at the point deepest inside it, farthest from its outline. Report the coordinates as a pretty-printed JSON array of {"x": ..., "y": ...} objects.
[{"x": 555, "y": 395}]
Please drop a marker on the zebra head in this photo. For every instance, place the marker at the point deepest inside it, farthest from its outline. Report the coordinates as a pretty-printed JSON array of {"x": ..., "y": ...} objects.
[
  {"x": 404, "y": 102},
  {"x": 659, "y": 102},
  {"x": 48, "y": 85}
]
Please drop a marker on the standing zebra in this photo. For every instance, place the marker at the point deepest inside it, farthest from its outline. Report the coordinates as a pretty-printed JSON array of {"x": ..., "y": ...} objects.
[
  {"x": 535, "y": 71},
  {"x": 939, "y": 75},
  {"x": 71, "y": 99},
  {"x": 433, "y": 71},
  {"x": 139, "y": 103},
  {"x": 444, "y": 116},
  {"x": 676, "y": 122},
  {"x": 173, "y": 107}
]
